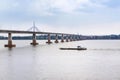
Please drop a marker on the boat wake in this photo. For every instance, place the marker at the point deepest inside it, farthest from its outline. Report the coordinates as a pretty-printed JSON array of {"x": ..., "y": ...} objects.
[{"x": 108, "y": 49}]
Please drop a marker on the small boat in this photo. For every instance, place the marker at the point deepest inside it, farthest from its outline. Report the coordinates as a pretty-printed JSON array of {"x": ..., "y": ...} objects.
[{"x": 78, "y": 48}]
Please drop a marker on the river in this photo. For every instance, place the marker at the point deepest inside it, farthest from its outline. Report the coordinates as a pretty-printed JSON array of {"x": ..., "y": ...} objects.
[{"x": 101, "y": 61}]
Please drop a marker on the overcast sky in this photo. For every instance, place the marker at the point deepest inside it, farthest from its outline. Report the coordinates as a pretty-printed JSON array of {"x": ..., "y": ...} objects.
[{"x": 72, "y": 16}]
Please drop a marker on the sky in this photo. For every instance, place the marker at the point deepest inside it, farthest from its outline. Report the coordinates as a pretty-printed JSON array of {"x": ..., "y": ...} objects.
[{"x": 86, "y": 17}]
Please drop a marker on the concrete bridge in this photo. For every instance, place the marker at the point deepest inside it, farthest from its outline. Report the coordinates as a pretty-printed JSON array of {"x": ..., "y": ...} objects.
[{"x": 64, "y": 37}]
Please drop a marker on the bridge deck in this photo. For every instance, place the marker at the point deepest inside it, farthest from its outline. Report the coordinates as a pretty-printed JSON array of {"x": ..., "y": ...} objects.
[{"x": 30, "y": 32}]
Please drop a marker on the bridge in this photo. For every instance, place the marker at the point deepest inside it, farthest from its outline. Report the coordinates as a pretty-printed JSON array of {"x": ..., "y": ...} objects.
[{"x": 64, "y": 36}]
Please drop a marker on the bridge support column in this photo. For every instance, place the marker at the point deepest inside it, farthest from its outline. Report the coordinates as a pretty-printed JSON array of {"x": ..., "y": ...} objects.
[
  {"x": 56, "y": 41},
  {"x": 34, "y": 43},
  {"x": 78, "y": 38},
  {"x": 49, "y": 39},
  {"x": 62, "y": 38},
  {"x": 66, "y": 38},
  {"x": 74, "y": 38},
  {"x": 71, "y": 38},
  {"x": 10, "y": 45}
]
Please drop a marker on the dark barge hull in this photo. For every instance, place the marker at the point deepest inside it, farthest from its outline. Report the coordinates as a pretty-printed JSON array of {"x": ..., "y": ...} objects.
[{"x": 73, "y": 48}]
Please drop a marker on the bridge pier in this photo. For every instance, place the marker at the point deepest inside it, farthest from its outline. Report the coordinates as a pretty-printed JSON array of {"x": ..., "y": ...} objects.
[
  {"x": 78, "y": 38},
  {"x": 49, "y": 39},
  {"x": 71, "y": 38},
  {"x": 10, "y": 45},
  {"x": 62, "y": 38},
  {"x": 34, "y": 43},
  {"x": 67, "y": 38},
  {"x": 74, "y": 38},
  {"x": 56, "y": 40}
]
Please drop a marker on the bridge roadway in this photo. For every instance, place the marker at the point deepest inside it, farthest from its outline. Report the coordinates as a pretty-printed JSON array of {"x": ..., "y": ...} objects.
[
  {"x": 31, "y": 32},
  {"x": 69, "y": 37}
]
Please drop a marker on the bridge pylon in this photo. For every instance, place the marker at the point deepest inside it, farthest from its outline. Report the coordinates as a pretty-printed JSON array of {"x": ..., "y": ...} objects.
[{"x": 34, "y": 29}]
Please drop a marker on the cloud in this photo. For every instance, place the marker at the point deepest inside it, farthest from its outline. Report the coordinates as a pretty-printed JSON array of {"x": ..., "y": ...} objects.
[
  {"x": 56, "y": 7},
  {"x": 52, "y": 7},
  {"x": 49, "y": 6},
  {"x": 65, "y": 14},
  {"x": 4, "y": 5},
  {"x": 113, "y": 4}
]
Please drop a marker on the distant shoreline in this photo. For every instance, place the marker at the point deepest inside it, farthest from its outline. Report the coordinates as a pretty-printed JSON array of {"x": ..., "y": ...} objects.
[{"x": 81, "y": 37}]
